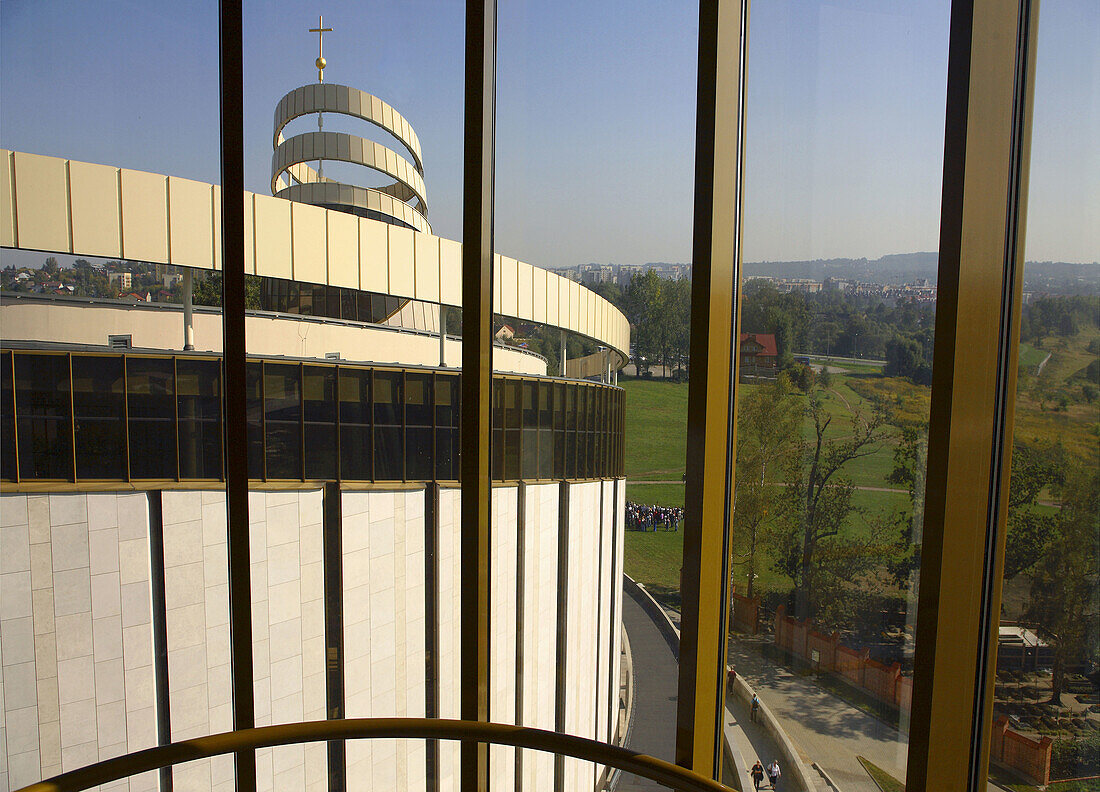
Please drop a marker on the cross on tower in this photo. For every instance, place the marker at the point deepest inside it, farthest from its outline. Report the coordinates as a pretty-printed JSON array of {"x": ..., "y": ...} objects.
[{"x": 320, "y": 30}]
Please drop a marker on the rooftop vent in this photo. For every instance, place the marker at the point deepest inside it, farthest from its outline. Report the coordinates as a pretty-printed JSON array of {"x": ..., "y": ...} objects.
[
  {"x": 333, "y": 356},
  {"x": 120, "y": 341}
]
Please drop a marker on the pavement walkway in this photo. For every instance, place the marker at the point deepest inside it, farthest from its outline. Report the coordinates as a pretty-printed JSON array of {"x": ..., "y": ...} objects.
[
  {"x": 655, "y": 680},
  {"x": 826, "y": 730},
  {"x": 656, "y": 671}
]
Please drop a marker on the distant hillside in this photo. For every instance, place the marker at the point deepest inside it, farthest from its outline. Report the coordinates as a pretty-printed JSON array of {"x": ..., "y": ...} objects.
[
  {"x": 1055, "y": 277},
  {"x": 896, "y": 268}
]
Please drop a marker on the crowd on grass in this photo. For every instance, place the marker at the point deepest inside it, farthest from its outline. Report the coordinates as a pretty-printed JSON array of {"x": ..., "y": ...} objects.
[{"x": 640, "y": 517}]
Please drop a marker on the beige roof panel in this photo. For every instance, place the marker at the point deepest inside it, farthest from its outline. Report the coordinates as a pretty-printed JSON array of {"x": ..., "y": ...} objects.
[
  {"x": 374, "y": 273},
  {"x": 427, "y": 267},
  {"x": 401, "y": 262},
  {"x": 144, "y": 216},
  {"x": 190, "y": 223},
  {"x": 309, "y": 243},
  {"x": 42, "y": 222},
  {"x": 272, "y": 237},
  {"x": 97, "y": 217},
  {"x": 7, "y": 209},
  {"x": 343, "y": 249}
]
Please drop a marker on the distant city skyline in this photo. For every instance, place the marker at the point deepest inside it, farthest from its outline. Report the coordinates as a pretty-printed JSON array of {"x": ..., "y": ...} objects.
[{"x": 595, "y": 131}]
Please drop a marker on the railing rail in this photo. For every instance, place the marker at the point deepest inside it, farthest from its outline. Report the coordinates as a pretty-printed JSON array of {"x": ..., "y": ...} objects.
[{"x": 648, "y": 767}]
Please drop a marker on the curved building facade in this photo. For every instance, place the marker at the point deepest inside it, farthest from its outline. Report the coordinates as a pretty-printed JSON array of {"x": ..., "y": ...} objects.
[{"x": 114, "y": 615}]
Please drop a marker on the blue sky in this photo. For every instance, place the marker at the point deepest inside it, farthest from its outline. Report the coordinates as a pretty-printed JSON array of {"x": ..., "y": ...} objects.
[{"x": 595, "y": 114}]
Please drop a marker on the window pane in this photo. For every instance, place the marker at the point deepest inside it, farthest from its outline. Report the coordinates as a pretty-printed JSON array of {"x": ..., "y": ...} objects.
[
  {"x": 1045, "y": 695},
  {"x": 7, "y": 412},
  {"x": 282, "y": 421},
  {"x": 843, "y": 172},
  {"x": 319, "y": 397},
  {"x": 45, "y": 419},
  {"x": 151, "y": 404},
  {"x": 355, "y": 434},
  {"x": 254, "y": 388},
  {"x": 198, "y": 405},
  {"x": 389, "y": 452},
  {"x": 99, "y": 409}
]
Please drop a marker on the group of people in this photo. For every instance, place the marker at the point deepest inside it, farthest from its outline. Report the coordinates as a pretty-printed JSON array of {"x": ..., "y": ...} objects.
[
  {"x": 771, "y": 771},
  {"x": 758, "y": 770},
  {"x": 640, "y": 517}
]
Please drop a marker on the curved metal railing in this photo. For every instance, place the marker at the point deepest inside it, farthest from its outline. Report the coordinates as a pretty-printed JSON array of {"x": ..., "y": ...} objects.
[{"x": 130, "y": 764}]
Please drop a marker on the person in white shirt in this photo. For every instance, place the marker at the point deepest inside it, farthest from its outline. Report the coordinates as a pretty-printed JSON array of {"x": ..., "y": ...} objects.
[{"x": 773, "y": 773}]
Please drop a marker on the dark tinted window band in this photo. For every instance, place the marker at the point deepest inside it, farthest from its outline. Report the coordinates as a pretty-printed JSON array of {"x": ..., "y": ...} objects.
[{"x": 87, "y": 416}]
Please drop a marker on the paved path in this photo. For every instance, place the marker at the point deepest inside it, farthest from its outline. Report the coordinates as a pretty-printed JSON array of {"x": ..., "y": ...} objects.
[
  {"x": 826, "y": 729},
  {"x": 753, "y": 743},
  {"x": 655, "y": 680},
  {"x": 654, "y": 719}
]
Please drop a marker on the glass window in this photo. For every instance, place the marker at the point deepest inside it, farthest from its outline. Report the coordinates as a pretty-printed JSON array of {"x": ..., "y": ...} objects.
[
  {"x": 1048, "y": 649},
  {"x": 319, "y": 401},
  {"x": 151, "y": 407},
  {"x": 7, "y": 415},
  {"x": 512, "y": 435},
  {"x": 419, "y": 439},
  {"x": 99, "y": 411},
  {"x": 559, "y": 390},
  {"x": 389, "y": 452},
  {"x": 283, "y": 420},
  {"x": 254, "y": 389},
  {"x": 198, "y": 406},
  {"x": 355, "y": 420},
  {"x": 530, "y": 417},
  {"x": 44, "y": 414},
  {"x": 546, "y": 430},
  {"x": 497, "y": 386}
]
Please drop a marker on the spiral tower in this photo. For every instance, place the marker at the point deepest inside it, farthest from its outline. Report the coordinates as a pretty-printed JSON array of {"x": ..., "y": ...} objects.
[{"x": 402, "y": 202}]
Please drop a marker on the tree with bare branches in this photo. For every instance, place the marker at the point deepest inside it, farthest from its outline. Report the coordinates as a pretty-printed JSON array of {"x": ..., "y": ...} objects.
[{"x": 819, "y": 496}]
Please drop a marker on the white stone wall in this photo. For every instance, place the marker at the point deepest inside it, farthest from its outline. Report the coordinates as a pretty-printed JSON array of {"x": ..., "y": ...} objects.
[
  {"x": 75, "y": 634},
  {"x": 196, "y": 595},
  {"x": 77, "y": 682},
  {"x": 502, "y": 630},
  {"x": 605, "y": 593},
  {"x": 540, "y": 605},
  {"x": 582, "y": 627},
  {"x": 617, "y": 588},
  {"x": 449, "y": 632},
  {"x": 288, "y": 632},
  {"x": 384, "y": 647}
]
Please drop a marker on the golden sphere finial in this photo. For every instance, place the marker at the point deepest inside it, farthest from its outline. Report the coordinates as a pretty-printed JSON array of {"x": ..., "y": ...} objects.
[{"x": 321, "y": 63}]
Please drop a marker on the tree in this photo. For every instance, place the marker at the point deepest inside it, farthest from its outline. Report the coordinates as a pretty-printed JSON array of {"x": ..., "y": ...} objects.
[
  {"x": 641, "y": 303},
  {"x": 1065, "y": 584},
  {"x": 820, "y": 497},
  {"x": 910, "y": 466},
  {"x": 769, "y": 421},
  {"x": 1028, "y": 531}
]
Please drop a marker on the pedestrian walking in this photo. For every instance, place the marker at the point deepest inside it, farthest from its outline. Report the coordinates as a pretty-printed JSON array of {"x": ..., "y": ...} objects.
[
  {"x": 731, "y": 675},
  {"x": 773, "y": 773},
  {"x": 754, "y": 707},
  {"x": 757, "y": 774}
]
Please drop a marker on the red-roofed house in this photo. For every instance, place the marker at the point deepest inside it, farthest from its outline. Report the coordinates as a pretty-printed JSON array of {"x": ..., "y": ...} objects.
[{"x": 759, "y": 350}]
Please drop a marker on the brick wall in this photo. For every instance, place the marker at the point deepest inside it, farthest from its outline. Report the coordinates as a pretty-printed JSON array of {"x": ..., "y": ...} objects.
[{"x": 1025, "y": 755}]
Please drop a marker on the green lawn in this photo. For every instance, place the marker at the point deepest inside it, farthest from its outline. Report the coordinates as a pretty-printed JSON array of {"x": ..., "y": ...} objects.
[
  {"x": 884, "y": 781},
  {"x": 1031, "y": 357},
  {"x": 653, "y": 558},
  {"x": 655, "y": 494},
  {"x": 656, "y": 429}
]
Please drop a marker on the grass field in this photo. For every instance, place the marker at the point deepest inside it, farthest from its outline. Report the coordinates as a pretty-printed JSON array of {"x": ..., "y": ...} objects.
[
  {"x": 882, "y": 779},
  {"x": 1031, "y": 357},
  {"x": 656, "y": 428},
  {"x": 1077, "y": 426}
]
